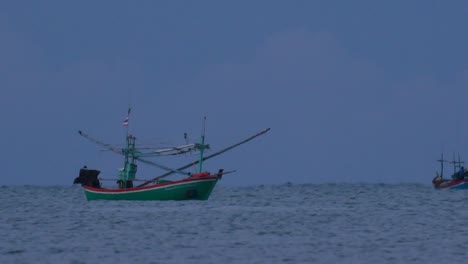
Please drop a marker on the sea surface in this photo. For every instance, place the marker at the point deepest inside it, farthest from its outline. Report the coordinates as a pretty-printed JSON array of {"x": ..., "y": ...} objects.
[{"x": 290, "y": 223}]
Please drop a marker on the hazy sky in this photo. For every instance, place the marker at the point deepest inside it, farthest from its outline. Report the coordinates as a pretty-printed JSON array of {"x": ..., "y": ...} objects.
[{"x": 354, "y": 91}]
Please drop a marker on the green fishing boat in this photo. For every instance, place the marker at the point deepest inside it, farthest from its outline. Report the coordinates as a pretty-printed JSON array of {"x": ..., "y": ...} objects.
[{"x": 192, "y": 186}]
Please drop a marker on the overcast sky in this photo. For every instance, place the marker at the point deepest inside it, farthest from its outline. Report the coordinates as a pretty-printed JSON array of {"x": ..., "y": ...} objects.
[{"x": 354, "y": 91}]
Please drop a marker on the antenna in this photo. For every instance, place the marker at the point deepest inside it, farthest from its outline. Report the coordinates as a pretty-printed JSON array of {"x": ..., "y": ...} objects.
[{"x": 202, "y": 144}]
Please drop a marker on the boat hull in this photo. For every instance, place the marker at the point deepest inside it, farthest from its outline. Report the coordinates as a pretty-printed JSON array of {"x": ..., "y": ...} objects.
[
  {"x": 195, "y": 188},
  {"x": 453, "y": 184}
]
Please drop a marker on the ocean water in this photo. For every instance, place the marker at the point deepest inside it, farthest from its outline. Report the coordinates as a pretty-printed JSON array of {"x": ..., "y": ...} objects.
[{"x": 291, "y": 223}]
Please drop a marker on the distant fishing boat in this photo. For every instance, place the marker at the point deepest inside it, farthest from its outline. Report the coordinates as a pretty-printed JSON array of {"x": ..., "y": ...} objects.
[
  {"x": 458, "y": 180},
  {"x": 197, "y": 186}
]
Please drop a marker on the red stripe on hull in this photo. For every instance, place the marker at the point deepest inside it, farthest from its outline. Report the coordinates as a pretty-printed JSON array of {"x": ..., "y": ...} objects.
[
  {"x": 165, "y": 184},
  {"x": 452, "y": 183}
]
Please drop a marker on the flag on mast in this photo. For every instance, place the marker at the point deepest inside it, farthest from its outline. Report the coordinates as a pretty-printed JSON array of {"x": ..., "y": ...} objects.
[{"x": 125, "y": 122}]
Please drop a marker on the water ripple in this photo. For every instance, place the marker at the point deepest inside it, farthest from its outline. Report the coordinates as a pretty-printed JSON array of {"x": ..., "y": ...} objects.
[{"x": 290, "y": 223}]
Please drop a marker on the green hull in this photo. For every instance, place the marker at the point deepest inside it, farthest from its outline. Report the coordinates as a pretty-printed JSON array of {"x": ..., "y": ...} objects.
[{"x": 187, "y": 189}]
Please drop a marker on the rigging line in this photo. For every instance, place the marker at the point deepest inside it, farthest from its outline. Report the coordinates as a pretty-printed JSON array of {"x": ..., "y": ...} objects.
[
  {"x": 107, "y": 146},
  {"x": 209, "y": 157},
  {"x": 179, "y": 171},
  {"x": 216, "y": 174},
  {"x": 118, "y": 151},
  {"x": 105, "y": 179}
]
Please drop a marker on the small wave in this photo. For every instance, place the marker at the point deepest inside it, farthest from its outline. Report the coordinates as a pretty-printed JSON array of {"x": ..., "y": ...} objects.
[{"x": 15, "y": 251}]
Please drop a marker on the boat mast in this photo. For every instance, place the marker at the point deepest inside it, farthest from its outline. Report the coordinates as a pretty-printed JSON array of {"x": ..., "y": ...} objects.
[
  {"x": 126, "y": 122},
  {"x": 441, "y": 165},
  {"x": 130, "y": 168},
  {"x": 202, "y": 145},
  {"x": 456, "y": 164}
]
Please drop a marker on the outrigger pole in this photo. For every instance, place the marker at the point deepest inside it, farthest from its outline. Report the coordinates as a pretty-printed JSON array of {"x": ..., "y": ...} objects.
[{"x": 206, "y": 158}]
